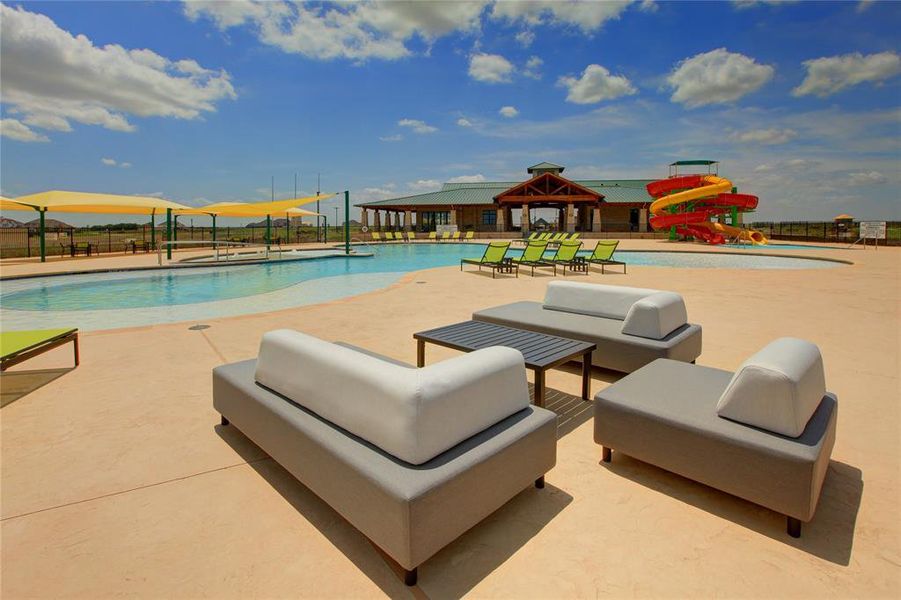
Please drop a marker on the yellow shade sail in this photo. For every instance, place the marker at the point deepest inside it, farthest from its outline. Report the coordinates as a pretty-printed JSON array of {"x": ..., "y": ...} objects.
[
  {"x": 256, "y": 209},
  {"x": 87, "y": 202},
  {"x": 843, "y": 217}
]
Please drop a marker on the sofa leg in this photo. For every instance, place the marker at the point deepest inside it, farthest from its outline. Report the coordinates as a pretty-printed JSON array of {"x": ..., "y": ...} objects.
[
  {"x": 223, "y": 420},
  {"x": 539, "y": 483},
  {"x": 793, "y": 527},
  {"x": 606, "y": 453},
  {"x": 410, "y": 577}
]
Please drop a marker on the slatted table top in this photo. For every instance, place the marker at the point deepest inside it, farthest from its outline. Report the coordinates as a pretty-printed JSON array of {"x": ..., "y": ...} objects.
[{"x": 541, "y": 351}]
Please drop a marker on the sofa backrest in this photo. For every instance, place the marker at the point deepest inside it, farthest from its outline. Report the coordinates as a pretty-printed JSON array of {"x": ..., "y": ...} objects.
[
  {"x": 777, "y": 389},
  {"x": 412, "y": 414},
  {"x": 646, "y": 313}
]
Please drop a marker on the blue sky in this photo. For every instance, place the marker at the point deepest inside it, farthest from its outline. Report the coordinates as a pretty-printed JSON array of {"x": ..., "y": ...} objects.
[{"x": 204, "y": 102}]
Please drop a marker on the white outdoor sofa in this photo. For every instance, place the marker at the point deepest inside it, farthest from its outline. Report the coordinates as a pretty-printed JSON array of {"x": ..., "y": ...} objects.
[
  {"x": 411, "y": 457},
  {"x": 630, "y": 326},
  {"x": 764, "y": 433}
]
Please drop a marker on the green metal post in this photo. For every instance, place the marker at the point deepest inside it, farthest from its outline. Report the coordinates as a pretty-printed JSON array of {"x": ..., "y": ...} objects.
[
  {"x": 288, "y": 227},
  {"x": 214, "y": 228},
  {"x": 43, "y": 237},
  {"x": 153, "y": 229},
  {"x": 174, "y": 228},
  {"x": 268, "y": 231},
  {"x": 347, "y": 222},
  {"x": 734, "y": 209},
  {"x": 168, "y": 233}
]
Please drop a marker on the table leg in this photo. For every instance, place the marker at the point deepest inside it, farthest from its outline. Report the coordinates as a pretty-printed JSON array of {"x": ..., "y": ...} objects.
[
  {"x": 420, "y": 353},
  {"x": 539, "y": 388},
  {"x": 586, "y": 376},
  {"x": 77, "y": 357}
]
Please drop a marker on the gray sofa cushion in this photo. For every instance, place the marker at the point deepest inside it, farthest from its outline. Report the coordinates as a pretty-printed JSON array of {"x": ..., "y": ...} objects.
[
  {"x": 615, "y": 350},
  {"x": 409, "y": 511},
  {"x": 656, "y": 316},
  {"x": 665, "y": 414},
  {"x": 778, "y": 388},
  {"x": 597, "y": 300}
]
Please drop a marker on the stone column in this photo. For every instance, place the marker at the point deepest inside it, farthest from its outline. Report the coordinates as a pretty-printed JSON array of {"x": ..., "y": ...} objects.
[
  {"x": 526, "y": 224},
  {"x": 408, "y": 220},
  {"x": 364, "y": 217},
  {"x": 643, "y": 220},
  {"x": 501, "y": 220},
  {"x": 453, "y": 216},
  {"x": 596, "y": 223},
  {"x": 377, "y": 220},
  {"x": 570, "y": 221}
]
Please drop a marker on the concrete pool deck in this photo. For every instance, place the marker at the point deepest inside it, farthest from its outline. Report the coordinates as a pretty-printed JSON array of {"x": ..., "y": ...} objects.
[{"x": 117, "y": 479}]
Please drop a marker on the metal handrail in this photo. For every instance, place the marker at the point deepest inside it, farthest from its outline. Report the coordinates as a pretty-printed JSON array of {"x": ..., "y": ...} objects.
[{"x": 216, "y": 245}]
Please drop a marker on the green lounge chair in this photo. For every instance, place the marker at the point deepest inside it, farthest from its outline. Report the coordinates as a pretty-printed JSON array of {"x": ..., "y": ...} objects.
[
  {"x": 433, "y": 236},
  {"x": 533, "y": 256},
  {"x": 494, "y": 258},
  {"x": 574, "y": 236},
  {"x": 445, "y": 236},
  {"x": 18, "y": 346},
  {"x": 566, "y": 256},
  {"x": 556, "y": 238},
  {"x": 532, "y": 237},
  {"x": 470, "y": 235},
  {"x": 546, "y": 236},
  {"x": 603, "y": 254}
]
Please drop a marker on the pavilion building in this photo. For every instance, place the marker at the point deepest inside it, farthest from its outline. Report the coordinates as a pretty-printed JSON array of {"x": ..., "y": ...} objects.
[{"x": 581, "y": 205}]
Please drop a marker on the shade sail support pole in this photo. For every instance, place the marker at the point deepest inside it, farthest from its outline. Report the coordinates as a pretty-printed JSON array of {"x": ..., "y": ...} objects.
[
  {"x": 346, "y": 222},
  {"x": 153, "y": 229},
  {"x": 168, "y": 234},
  {"x": 43, "y": 235},
  {"x": 268, "y": 233}
]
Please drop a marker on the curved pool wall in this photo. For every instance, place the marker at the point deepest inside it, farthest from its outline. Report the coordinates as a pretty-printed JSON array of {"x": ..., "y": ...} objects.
[{"x": 126, "y": 299}]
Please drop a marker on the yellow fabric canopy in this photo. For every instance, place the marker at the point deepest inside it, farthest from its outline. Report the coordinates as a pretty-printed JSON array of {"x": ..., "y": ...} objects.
[
  {"x": 842, "y": 217},
  {"x": 87, "y": 202},
  {"x": 256, "y": 209}
]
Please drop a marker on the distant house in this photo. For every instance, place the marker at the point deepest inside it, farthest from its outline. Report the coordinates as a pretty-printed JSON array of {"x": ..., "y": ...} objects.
[
  {"x": 540, "y": 224},
  {"x": 6, "y": 223},
  {"x": 48, "y": 224}
]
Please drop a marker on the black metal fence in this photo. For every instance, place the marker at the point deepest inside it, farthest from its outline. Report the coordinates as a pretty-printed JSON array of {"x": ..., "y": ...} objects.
[
  {"x": 824, "y": 231},
  {"x": 59, "y": 241}
]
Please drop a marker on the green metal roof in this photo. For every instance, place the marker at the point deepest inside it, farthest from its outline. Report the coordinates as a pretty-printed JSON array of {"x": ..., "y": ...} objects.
[
  {"x": 462, "y": 194},
  {"x": 545, "y": 165},
  {"x": 680, "y": 163}
]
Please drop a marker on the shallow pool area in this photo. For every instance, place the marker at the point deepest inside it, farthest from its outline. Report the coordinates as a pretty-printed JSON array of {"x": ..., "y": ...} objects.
[{"x": 134, "y": 298}]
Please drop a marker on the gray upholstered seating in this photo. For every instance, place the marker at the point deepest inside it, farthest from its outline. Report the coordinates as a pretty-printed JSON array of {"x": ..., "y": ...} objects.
[
  {"x": 631, "y": 326},
  {"x": 411, "y": 457},
  {"x": 764, "y": 433}
]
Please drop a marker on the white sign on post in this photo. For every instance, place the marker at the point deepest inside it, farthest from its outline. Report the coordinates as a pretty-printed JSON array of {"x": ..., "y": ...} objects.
[{"x": 872, "y": 230}]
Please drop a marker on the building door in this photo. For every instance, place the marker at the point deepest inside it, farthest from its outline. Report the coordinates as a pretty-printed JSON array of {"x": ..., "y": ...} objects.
[{"x": 633, "y": 219}]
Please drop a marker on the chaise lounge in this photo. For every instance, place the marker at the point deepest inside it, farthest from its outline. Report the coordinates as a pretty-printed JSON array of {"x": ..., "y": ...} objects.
[
  {"x": 411, "y": 457},
  {"x": 764, "y": 433},
  {"x": 631, "y": 326}
]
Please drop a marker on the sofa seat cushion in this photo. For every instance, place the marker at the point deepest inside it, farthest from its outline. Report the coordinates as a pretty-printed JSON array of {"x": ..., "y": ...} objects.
[
  {"x": 413, "y": 414},
  {"x": 665, "y": 414},
  {"x": 777, "y": 389},
  {"x": 615, "y": 350}
]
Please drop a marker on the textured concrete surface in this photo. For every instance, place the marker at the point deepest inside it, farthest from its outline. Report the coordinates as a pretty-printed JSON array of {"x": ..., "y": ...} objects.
[{"x": 117, "y": 479}]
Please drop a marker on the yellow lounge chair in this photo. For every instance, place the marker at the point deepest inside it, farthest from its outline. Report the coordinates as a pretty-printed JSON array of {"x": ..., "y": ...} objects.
[
  {"x": 18, "y": 346},
  {"x": 456, "y": 236},
  {"x": 411, "y": 236},
  {"x": 470, "y": 235},
  {"x": 433, "y": 236},
  {"x": 445, "y": 236}
]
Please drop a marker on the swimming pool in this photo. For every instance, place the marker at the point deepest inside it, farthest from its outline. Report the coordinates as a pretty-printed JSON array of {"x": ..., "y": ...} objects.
[
  {"x": 780, "y": 247},
  {"x": 122, "y": 299}
]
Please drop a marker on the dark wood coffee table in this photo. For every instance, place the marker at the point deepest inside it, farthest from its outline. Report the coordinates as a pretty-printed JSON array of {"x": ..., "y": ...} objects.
[{"x": 541, "y": 351}]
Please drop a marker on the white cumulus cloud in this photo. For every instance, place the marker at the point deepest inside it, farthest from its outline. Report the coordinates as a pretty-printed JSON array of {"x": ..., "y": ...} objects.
[
  {"x": 417, "y": 126},
  {"x": 477, "y": 178},
  {"x": 391, "y": 138},
  {"x": 351, "y": 30},
  {"x": 587, "y": 16},
  {"x": 772, "y": 135},
  {"x": 830, "y": 75},
  {"x": 594, "y": 85},
  {"x": 490, "y": 68},
  {"x": 533, "y": 67},
  {"x": 508, "y": 111},
  {"x": 867, "y": 178},
  {"x": 420, "y": 186},
  {"x": 717, "y": 77},
  {"x": 112, "y": 162},
  {"x": 52, "y": 77},
  {"x": 525, "y": 38},
  {"x": 19, "y": 131},
  {"x": 464, "y": 122}
]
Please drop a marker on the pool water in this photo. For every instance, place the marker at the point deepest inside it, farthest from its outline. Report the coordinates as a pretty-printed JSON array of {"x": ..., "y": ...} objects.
[
  {"x": 779, "y": 247},
  {"x": 120, "y": 299}
]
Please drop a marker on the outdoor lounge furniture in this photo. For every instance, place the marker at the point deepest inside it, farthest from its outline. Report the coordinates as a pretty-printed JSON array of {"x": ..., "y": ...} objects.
[
  {"x": 494, "y": 258},
  {"x": 456, "y": 236},
  {"x": 631, "y": 326},
  {"x": 603, "y": 255},
  {"x": 19, "y": 346},
  {"x": 540, "y": 351},
  {"x": 764, "y": 433},
  {"x": 533, "y": 256},
  {"x": 86, "y": 248},
  {"x": 445, "y": 236},
  {"x": 433, "y": 235},
  {"x": 469, "y": 235},
  {"x": 411, "y": 236},
  {"x": 412, "y": 458},
  {"x": 376, "y": 236},
  {"x": 567, "y": 257}
]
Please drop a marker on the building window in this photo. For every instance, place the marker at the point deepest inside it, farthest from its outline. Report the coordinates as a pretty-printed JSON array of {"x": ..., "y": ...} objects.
[
  {"x": 489, "y": 217},
  {"x": 430, "y": 220}
]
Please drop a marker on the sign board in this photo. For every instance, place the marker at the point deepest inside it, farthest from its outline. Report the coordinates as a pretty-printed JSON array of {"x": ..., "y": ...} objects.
[{"x": 872, "y": 230}]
